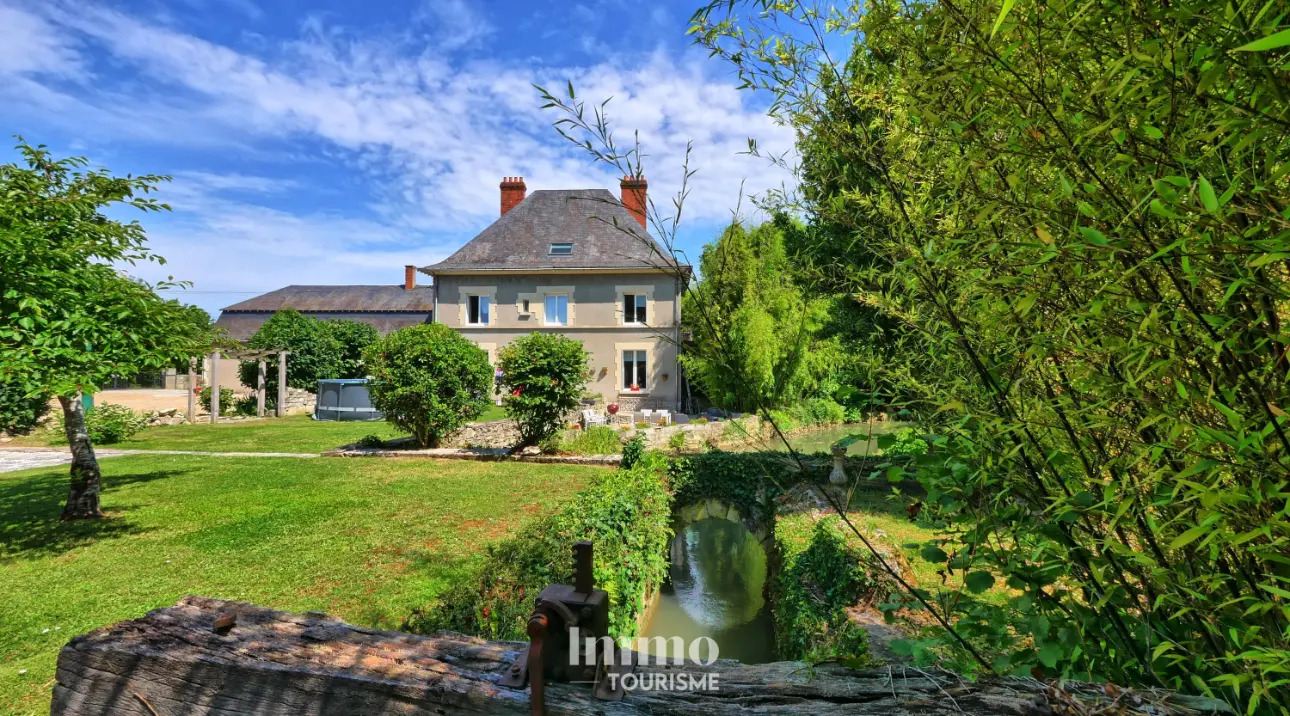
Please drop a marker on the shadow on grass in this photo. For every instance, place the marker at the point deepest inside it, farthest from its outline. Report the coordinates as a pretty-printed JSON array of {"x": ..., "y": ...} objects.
[{"x": 30, "y": 509}]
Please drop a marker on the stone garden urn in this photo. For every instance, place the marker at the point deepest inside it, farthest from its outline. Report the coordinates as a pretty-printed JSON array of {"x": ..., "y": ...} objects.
[{"x": 839, "y": 474}]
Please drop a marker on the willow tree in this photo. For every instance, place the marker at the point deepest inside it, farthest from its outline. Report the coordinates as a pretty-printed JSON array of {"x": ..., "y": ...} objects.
[
  {"x": 1084, "y": 210},
  {"x": 69, "y": 318}
]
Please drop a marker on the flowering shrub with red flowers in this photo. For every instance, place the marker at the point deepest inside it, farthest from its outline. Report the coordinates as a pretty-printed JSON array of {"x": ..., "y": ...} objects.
[
  {"x": 543, "y": 376},
  {"x": 428, "y": 380}
]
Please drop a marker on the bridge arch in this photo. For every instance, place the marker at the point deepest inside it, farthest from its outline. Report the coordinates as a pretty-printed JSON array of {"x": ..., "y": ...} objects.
[{"x": 715, "y": 508}]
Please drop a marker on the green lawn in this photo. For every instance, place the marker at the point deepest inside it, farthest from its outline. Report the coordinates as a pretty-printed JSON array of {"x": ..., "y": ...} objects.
[
  {"x": 364, "y": 539},
  {"x": 295, "y": 433}
]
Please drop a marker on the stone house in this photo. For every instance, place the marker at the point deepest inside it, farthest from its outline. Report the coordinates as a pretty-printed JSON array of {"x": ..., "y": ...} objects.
[{"x": 579, "y": 262}]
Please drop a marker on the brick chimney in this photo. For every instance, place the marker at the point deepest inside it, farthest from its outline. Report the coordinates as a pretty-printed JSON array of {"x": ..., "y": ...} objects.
[
  {"x": 634, "y": 189},
  {"x": 513, "y": 190},
  {"x": 409, "y": 277}
]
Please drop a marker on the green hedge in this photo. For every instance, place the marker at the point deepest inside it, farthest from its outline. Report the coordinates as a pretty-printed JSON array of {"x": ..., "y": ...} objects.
[
  {"x": 818, "y": 579},
  {"x": 625, "y": 513}
]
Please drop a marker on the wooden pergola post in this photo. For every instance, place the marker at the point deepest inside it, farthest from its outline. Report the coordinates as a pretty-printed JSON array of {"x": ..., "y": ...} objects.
[
  {"x": 215, "y": 387},
  {"x": 282, "y": 384},
  {"x": 259, "y": 388},
  {"x": 192, "y": 392}
]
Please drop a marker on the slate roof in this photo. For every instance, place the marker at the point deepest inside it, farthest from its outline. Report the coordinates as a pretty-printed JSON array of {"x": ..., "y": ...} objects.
[
  {"x": 242, "y": 325},
  {"x": 603, "y": 233},
  {"x": 340, "y": 298}
]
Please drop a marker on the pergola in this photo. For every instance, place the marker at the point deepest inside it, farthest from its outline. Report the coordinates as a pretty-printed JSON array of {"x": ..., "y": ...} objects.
[{"x": 259, "y": 356}]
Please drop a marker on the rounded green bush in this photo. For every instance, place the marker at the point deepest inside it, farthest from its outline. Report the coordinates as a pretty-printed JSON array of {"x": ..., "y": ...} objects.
[
  {"x": 428, "y": 380},
  {"x": 543, "y": 376}
]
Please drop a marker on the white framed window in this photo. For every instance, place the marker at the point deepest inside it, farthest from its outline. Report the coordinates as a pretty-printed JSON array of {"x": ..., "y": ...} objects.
[
  {"x": 635, "y": 305},
  {"x": 560, "y": 249},
  {"x": 555, "y": 312},
  {"x": 476, "y": 306},
  {"x": 478, "y": 310},
  {"x": 555, "y": 305},
  {"x": 634, "y": 309},
  {"x": 635, "y": 371}
]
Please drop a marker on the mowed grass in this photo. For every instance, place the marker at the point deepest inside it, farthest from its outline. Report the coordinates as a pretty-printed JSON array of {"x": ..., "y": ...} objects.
[
  {"x": 364, "y": 539},
  {"x": 294, "y": 433}
]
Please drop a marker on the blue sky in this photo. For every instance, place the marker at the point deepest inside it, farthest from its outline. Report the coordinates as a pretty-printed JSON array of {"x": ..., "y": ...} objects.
[{"x": 335, "y": 141}]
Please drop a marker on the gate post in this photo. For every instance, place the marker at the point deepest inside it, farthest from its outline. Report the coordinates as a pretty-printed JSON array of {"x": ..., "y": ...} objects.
[
  {"x": 214, "y": 387},
  {"x": 282, "y": 384},
  {"x": 259, "y": 388}
]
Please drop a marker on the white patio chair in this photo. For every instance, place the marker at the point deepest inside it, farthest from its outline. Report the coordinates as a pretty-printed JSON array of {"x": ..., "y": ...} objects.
[
  {"x": 645, "y": 415},
  {"x": 666, "y": 415},
  {"x": 591, "y": 417}
]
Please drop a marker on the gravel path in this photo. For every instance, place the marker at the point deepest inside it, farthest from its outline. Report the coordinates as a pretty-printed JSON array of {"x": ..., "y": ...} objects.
[
  {"x": 15, "y": 459},
  {"x": 22, "y": 458}
]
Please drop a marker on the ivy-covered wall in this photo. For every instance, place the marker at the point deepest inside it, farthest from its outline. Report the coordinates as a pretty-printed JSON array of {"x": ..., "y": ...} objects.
[
  {"x": 625, "y": 513},
  {"x": 817, "y": 580}
]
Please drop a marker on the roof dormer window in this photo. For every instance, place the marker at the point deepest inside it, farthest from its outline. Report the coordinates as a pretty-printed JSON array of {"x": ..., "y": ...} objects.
[{"x": 563, "y": 249}]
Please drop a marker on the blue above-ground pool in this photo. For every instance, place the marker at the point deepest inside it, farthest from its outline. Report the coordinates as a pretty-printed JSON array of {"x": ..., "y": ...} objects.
[{"x": 344, "y": 399}]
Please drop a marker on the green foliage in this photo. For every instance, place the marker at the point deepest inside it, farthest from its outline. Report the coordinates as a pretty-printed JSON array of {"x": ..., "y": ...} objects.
[
  {"x": 245, "y": 405},
  {"x": 749, "y": 481},
  {"x": 20, "y": 413},
  {"x": 354, "y": 338},
  {"x": 370, "y": 442},
  {"x": 316, "y": 354},
  {"x": 595, "y": 440},
  {"x": 633, "y": 450},
  {"x": 69, "y": 320},
  {"x": 1079, "y": 211},
  {"x": 225, "y": 400},
  {"x": 428, "y": 380},
  {"x": 906, "y": 443},
  {"x": 754, "y": 329},
  {"x": 818, "y": 580},
  {"x": 676, "y": 441},
  {"x": 107, "y": 423},
  {"x": 626, "y": 514},
  {"x": 543, "y": 376}
]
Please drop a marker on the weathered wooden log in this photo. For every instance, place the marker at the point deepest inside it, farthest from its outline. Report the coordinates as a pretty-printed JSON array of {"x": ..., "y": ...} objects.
[{"x": 262, "y": 661}]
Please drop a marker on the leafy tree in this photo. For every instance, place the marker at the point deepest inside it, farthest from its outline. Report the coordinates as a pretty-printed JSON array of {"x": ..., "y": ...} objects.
[
  {"x": 543, "y": 376},
  {"x": 428, "y": 380},
  {"x": 1081, "y": 211},
  {"x": 20, "y": 412},
  {"x": 69, "y": 320},
  {"x": 754, "y": 328},
  {"x": 316, "y": 354},
  {"x": 354, "y": 338}
]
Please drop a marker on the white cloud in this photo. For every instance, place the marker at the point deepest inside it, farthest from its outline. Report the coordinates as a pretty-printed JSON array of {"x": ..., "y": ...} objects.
[
  {"x": 30, "y": 44},
  {"x": 431, "y": 130}
]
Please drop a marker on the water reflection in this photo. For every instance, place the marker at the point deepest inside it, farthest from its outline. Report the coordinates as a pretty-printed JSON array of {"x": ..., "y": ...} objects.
[{"x": 715, "y": 590}]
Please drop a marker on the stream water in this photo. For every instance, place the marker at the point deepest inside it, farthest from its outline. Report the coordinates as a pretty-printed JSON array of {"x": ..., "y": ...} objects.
[{"x": 715, "y": 590}]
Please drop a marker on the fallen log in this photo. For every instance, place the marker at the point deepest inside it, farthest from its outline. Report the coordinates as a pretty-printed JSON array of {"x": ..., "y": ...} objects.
[{"x": 210, "y": 656}]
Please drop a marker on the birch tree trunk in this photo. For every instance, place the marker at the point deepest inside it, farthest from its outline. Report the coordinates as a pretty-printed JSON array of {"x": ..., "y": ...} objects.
[{"x": 87, "y": 479}]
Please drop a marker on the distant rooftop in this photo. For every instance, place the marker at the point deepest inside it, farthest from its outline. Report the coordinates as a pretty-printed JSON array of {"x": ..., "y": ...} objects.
[{"x": 380, "y": 299}]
